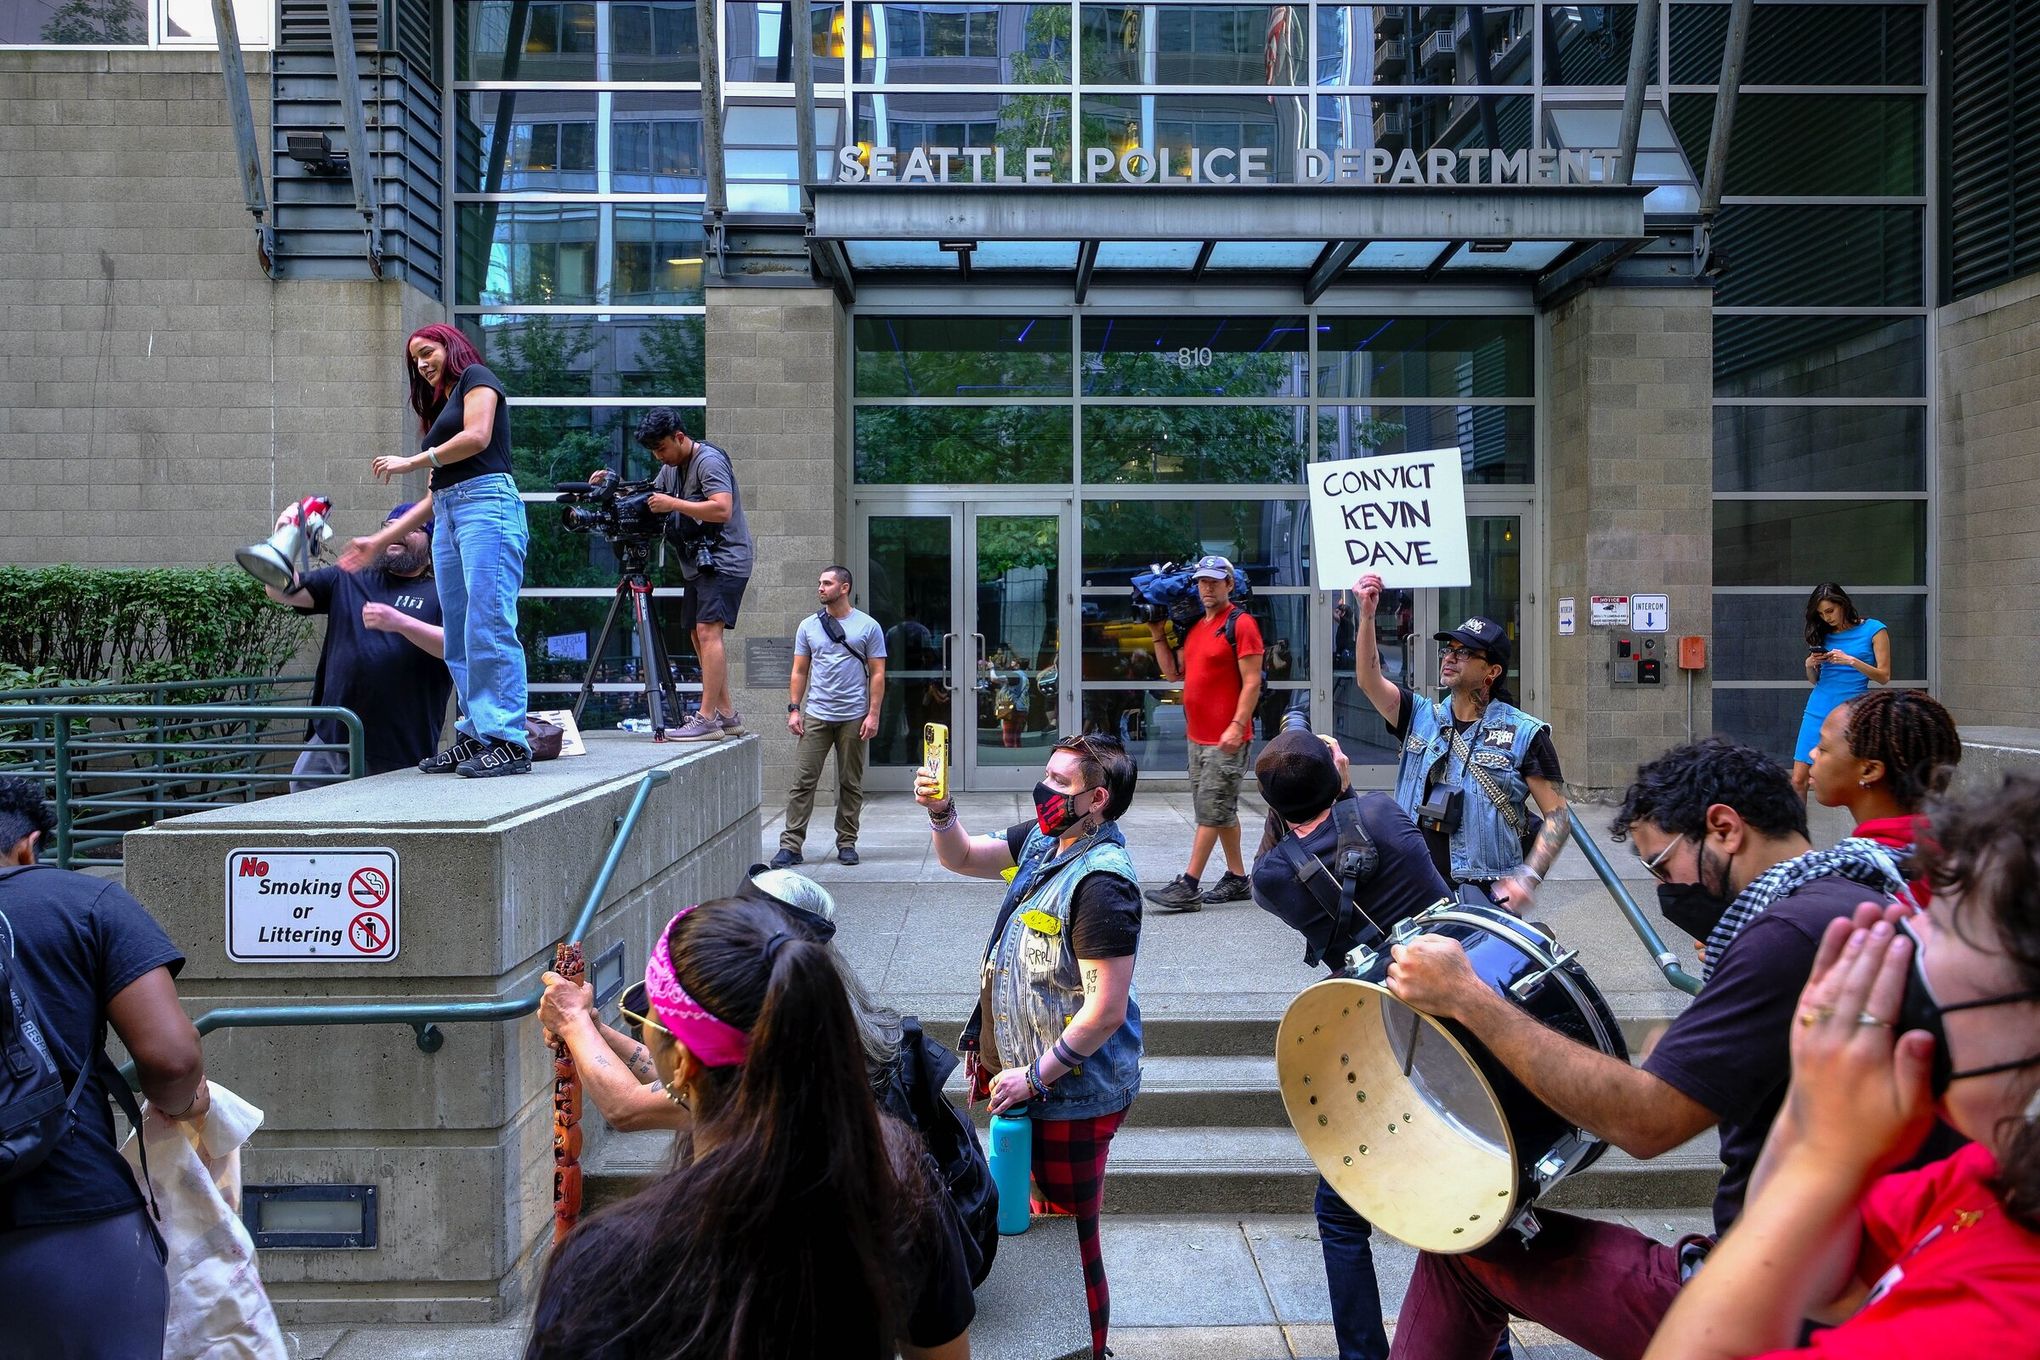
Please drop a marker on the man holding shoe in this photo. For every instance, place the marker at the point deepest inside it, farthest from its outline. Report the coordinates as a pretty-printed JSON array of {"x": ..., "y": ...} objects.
[{"x": 833, "y": 703}]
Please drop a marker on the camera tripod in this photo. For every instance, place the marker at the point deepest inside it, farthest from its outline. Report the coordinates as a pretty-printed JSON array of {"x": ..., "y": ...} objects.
[{"x": 635, "y": 585}]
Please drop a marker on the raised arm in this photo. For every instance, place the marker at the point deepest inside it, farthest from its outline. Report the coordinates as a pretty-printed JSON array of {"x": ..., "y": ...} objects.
[
  {"x": 960, "y": 852},
  {"x": 1381, "y": 691}
]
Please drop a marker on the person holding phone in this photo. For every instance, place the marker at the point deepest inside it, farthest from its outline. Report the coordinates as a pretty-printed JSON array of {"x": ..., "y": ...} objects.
[{"x": 1845, "y": 653}]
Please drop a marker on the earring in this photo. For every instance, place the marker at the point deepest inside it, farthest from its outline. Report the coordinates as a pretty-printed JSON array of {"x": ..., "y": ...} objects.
[{"x": 675, "y": 1094}]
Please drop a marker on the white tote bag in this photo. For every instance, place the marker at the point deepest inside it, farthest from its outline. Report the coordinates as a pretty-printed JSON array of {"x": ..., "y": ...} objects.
[{"x": 218, "y": 1310}]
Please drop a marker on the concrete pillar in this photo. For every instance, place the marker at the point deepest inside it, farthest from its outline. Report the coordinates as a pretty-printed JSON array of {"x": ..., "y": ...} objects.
[
  {"x": 1628, "y": 494},
  {"x": 490, "y": 873},
  {"x": 773, "y": 359}
]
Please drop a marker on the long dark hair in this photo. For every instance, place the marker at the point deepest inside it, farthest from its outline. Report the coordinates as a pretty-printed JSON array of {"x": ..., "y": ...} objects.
[
  {"x": 426, "y": 399},
  {"x": 787, "y": 1234},
  {"x": 1985, "y": 849},
  {"x": 1913, "y": 735},
  {"x": 1817, "y": 630}
]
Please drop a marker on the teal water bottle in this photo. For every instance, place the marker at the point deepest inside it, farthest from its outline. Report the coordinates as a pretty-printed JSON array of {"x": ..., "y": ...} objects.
[{"x": 1012, "y": 1162}]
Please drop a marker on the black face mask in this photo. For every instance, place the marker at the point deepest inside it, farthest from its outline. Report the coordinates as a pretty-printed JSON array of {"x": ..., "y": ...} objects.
[
  {"x": 1692, "y": 907},
  {"x": 1920, "y": 1011},
  {"x": 1055, "y": 811}
]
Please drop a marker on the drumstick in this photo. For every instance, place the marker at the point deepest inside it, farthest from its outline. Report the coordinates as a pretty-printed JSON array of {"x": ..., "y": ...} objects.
[{"x": 1410, "y": 1057}]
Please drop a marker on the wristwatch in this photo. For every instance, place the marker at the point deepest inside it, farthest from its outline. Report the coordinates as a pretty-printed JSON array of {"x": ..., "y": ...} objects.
[{"x": 793, "y": 708}]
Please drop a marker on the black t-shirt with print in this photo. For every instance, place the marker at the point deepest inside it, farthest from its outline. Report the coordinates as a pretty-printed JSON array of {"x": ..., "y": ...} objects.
[
  {"x": 452, "y": 418},
  {"x": 397, "y": 687},
  {"x": 1104, "y": 913}
]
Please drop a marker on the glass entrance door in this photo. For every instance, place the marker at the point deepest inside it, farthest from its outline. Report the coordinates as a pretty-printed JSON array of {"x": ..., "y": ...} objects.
[
  {"x": 973, "y": 597},
  {"x": 1404, "y": 622}
]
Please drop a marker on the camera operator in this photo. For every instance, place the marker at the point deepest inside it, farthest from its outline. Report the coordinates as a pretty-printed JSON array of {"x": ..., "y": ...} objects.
[
  {"x": 1339, "y": 868},
  {"x": 382, "y": 656},
  {"x": 1219, "y": 668},
  {"x": 697, "y": 490},
  {"x": 1471, "y": 760}
]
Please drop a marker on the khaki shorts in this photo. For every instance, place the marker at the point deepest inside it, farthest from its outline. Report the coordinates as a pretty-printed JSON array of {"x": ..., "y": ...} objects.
[{"x": 1215, "y": 784}]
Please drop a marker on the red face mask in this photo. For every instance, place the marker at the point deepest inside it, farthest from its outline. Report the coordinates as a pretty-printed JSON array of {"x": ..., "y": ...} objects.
[{"x": 1054, "y": 810}]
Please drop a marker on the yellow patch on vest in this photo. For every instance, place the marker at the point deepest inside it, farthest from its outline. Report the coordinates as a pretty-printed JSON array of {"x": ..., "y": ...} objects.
[{"x": 1041, "y": 922}]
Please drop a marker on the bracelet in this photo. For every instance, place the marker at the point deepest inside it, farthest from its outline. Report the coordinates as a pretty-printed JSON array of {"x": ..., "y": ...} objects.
[
  {"x": 432, "y": 457},
  {"x": 943, "y": 820},
  {"x": 196, "y": 1093},
  {"x": 1066, "y": 1055},
  {"x": 1034, "y": 1081}
]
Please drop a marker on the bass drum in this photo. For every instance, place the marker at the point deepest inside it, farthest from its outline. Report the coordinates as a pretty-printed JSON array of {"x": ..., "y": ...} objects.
[{"x": 1408, "y": 1117}]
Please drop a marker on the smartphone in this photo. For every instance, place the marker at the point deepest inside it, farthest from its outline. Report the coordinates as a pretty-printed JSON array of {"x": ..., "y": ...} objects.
[{"x": 935, "y": 755}]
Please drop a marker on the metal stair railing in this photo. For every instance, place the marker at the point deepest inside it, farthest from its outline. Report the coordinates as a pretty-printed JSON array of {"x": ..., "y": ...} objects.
[{"x": 1667, "y": 961}]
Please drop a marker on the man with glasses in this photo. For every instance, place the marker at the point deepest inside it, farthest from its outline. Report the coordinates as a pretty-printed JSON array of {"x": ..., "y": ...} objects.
[
  {"x": 1057, "y": 1029},
  {"x": 1470, "y": 761},
  {"x": 1720, "y": 827}
]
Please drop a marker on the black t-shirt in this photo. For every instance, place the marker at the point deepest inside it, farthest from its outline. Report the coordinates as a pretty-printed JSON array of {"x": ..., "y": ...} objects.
[
  {"x": 1405, "y": 881},
  {"x": 1540, "y": 761},
  {"x": 1731, "y": 1049},
  {"x": 452, "y": 419},
  {"x": 397, "y": 687},
  {"x": 1104, "y": 912},
  {"x": 78, "y": 941}
]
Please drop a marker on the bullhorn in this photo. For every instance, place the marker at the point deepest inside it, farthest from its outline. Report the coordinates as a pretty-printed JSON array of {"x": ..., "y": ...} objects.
[{"x": 278, "y": 559}]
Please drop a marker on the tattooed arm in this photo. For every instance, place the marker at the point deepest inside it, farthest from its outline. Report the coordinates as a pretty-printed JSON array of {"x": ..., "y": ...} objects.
[
  {"x": 626, "y": 1092},
  {"x": 1107, "y": 984},
  {"x": 1517, "y": 890},
  {"x": 635, "y": 1055}
]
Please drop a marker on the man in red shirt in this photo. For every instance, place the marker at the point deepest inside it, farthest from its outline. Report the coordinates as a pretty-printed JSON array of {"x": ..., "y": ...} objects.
[{"x": 1220, "y": 671}]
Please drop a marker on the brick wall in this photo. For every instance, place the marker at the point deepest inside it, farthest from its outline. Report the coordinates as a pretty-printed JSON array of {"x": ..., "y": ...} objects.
[
  {"x": 1989, "y": 357},
  {"x": 1628, "y": 493},
  {"x": 146, "y": 362},
  {"x": 773, "y": 355}
]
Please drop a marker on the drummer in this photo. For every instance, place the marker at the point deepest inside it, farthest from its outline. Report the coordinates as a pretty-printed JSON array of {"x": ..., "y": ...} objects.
[
  {"x": 1470, "y": 761},
  {"x": 1721, "y": 829},
  {"x": 1304, "y": 780}
]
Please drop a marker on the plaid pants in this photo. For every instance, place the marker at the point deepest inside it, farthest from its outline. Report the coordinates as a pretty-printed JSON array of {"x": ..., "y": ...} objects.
[{"x": 1069, "y": 1178}]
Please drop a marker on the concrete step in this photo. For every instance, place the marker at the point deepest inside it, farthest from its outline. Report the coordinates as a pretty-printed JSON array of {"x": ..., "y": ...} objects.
[
  {"x": 1222, "y": 1092},
  {"x": 1265, "y": 1170}
]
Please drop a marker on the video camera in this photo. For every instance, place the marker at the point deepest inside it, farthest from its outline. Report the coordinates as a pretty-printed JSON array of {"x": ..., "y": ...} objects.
[
  {"x": 1166, "y": 591},
  {"x": 620, "y": 511}
]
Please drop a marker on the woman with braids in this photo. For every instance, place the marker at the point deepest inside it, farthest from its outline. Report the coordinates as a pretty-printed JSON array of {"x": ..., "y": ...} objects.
[
  {"x": 1472, "y": 762},
  {"x": 477, "y": 553},
  {"x": 1882, "y": 756},
  {"x": 1902, "y": 1019},
  {"x": 1845, "y": 652},
  {"x": 797, "y": 1220}
]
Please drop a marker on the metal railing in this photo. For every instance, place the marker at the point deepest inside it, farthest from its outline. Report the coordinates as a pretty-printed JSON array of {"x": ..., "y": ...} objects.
[
  {"x": 426, "y": 1017},
  {"x": 116, "y": 762},
  {"x": 1667, "y": 961}
]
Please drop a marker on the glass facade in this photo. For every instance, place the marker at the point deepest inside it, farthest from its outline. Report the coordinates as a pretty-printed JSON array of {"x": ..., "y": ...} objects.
[{"x": 1822, "y": 420}]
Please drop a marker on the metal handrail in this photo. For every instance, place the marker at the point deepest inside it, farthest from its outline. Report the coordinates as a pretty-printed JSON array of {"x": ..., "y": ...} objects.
[
  {"x": 1667, "y": 961},
  {"x": 63, "y": 745},
  {"x": 426, "y": 1017},
  {"x": 10, "y": 696}
]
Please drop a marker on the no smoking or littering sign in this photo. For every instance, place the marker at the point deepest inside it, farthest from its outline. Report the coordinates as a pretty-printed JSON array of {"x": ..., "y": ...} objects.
[{"x": 327, "y": 905}]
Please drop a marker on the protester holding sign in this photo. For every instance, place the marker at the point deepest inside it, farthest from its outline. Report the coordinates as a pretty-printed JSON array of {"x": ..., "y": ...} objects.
[{"x": 1470, "y": 761}]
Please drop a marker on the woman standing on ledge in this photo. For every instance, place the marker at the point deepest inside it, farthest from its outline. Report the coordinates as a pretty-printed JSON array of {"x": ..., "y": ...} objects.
[
  {"x": 478, "y": 553},
  {"x": 1845, "y": 652}
]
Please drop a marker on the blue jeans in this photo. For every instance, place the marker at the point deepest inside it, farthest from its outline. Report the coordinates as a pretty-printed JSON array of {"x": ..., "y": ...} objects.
[
  {"x": 478, "y": 549},
  {"x": 1344, "y": 1237}
]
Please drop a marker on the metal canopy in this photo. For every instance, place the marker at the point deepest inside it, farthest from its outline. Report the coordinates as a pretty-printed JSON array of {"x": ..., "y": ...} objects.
[{"x": 1314, "y": 236}]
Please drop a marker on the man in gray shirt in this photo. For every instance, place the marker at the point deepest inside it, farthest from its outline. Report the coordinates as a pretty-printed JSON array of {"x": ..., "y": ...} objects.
[
  {"x": 839, "y": 671},
  {"x": 697, "y": 490}
]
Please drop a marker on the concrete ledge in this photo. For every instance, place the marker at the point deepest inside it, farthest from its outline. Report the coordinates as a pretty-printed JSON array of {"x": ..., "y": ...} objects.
[
  {"x": 457, "y": 1142},
  {"x": 1989, "y": 753}
]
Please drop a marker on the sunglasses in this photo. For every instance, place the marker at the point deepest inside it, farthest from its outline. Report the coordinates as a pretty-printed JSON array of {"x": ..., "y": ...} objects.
[
  {"x": 1453, "y": 649},
  {"x": 636, "y": 1007},
  {"x": 1655, "y": 864}
]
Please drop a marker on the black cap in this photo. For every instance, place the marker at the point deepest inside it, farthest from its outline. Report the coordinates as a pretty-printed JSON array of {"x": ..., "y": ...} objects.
[
  {"x": 1484, "y": 635},
  {"x": 1297, "y": 775}
]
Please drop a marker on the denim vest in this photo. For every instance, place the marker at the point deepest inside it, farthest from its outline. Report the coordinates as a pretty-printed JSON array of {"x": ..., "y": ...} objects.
[
  {"x": 1483, "y": 846},
  {"x": 1034, "y": 986}
]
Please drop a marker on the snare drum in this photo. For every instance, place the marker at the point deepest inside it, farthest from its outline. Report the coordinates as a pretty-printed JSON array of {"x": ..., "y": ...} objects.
[{"x": 1411, "y": 1120}]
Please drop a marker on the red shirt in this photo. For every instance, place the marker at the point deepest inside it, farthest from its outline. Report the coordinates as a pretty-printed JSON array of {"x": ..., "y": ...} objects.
[
  {"x": 1962, "y": 1279},
  {"x": 1211, "y": 675},
  {"x": 1900, "y": 833}
]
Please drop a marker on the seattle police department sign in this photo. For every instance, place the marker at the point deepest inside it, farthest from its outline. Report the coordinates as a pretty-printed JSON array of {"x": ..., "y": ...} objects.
[{"x": 1439, "y": 167}]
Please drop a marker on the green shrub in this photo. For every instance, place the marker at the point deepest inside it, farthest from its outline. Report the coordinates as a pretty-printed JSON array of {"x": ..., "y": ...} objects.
[{"x": 122, "y": 626}]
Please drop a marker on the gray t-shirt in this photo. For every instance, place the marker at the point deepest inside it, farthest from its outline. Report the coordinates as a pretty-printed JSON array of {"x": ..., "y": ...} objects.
[
  {"x": 838, "y": 687},
  {"x": 703, "y": 475}
]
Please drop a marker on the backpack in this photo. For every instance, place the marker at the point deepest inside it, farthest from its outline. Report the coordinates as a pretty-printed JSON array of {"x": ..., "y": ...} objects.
[
  {"x": 36, "y": 1107},
  {"x": 971, "y": 1200}
]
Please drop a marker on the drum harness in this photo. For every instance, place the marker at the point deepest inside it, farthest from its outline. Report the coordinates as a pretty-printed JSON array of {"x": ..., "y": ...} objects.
[{"x": 1337, "y": 891}]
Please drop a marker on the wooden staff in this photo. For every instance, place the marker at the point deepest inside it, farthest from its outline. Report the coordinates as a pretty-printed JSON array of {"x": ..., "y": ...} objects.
[{"x": 569, "y": 964}]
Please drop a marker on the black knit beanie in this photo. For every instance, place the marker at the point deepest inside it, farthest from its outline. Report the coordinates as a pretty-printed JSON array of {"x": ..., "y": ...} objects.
[{"x": 1297, "y": 775}]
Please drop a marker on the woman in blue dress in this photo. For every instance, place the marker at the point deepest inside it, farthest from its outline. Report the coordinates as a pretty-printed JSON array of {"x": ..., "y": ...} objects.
[{"x": 1845, "y": 652}]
